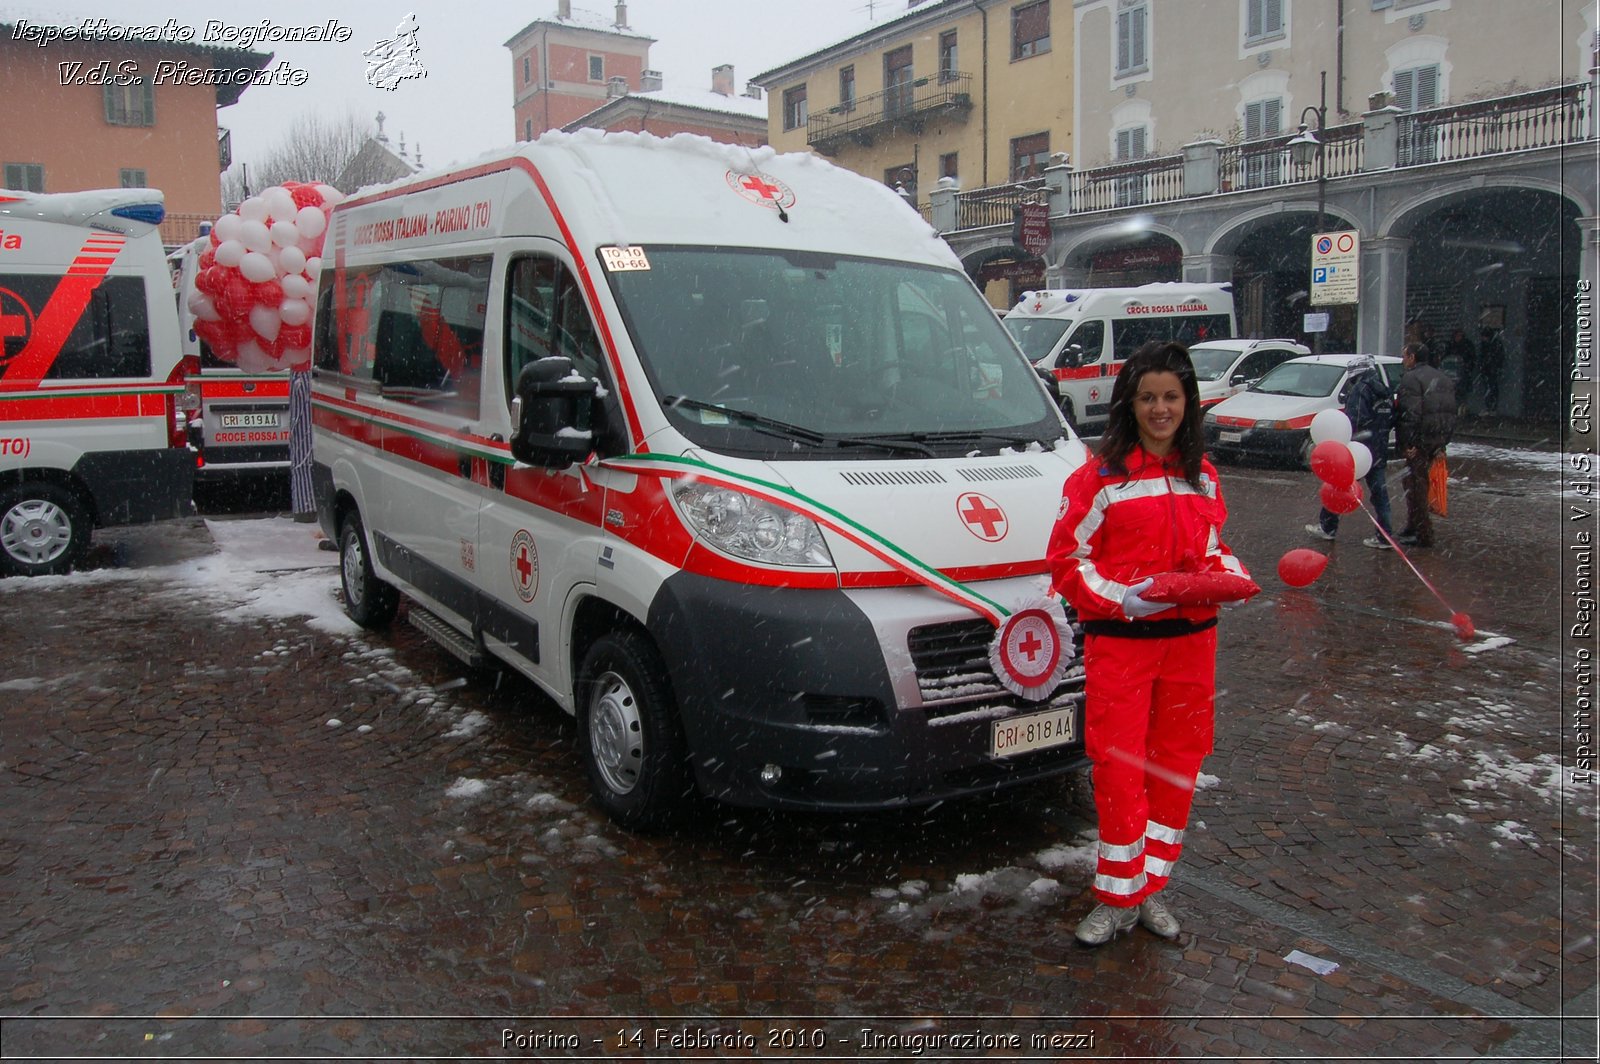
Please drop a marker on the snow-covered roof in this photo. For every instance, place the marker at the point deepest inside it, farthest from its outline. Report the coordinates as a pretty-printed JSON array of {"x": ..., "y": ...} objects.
[
  {"x": 699, "y": 100},
  {"x": 582, "y": 20}
]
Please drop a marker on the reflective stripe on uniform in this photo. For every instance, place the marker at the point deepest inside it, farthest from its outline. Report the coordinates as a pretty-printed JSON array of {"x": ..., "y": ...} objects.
[{"x": 1121, "y": 886}]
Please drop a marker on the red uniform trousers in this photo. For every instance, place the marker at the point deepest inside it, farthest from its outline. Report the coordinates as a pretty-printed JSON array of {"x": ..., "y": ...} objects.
[{"x": 1148, "y": 727}]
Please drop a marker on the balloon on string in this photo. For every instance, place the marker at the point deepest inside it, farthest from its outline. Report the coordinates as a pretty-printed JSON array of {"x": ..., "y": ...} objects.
[
  {"x": 1330, "y": 425},
  {"x": 1331, "y": 461},
  {"x": 1463, "y": 626},
  {"x": 1301, "y": 566},
  {"x": 256, "y": 286},
  {"x": 1341, "y": 500},
  {"x": 1363, "y": 458}
]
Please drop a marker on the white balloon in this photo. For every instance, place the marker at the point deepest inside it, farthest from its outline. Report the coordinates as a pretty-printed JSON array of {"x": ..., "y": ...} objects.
[
  {"x": 201, "y": 306},
  {"x": 295, "y": 286},
  {"x": 294, "y": 311},
  {"x": 257, "y": 267},
  {"x": 280, "y": 203},
  {"x": 1363, "y": 457},
  {"x": 313, "y": 265},
  {"x": 330, "y": 195},
  {"x": 253, "y": 210},
  {"x": 253, "y": 358},
  {"x": 229, "y": 252},
  {"x": 291, "y": 260},
  {"x": 227, "y": 227},
  {"x": 295, "y": 357},
  {"x": 311, "y": 222},
  {"x": 255, "y": 236},
  {"x": 285, "y": 234},
  {"x": 1330, "y": 425},
  {"x": 265, "y": 322}
]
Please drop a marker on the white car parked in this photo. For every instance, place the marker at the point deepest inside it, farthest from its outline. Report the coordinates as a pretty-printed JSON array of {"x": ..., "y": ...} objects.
[
  {"x": 1225, "y": 367},
  {"x": 1272, "y": 418}
]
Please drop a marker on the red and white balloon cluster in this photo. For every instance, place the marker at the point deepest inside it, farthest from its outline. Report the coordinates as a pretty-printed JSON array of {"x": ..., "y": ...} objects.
[
  {"x": 257, "y": 281},
  {"x": 1339, "y": 462}
]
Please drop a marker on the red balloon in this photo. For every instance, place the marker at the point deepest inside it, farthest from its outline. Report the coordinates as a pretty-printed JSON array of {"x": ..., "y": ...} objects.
[
  {"x": 236, "y": 298},
  {"x": 1332, "y": 461},
  {"x": 292, "y": 337},
  {"x": 1341, "y": 500},
  {"x": 1463, "y": 625},
  {"x": 305, "y": 195},
  {"x": 268, "y": 294},
  {"x": 1301, "y": 566}
]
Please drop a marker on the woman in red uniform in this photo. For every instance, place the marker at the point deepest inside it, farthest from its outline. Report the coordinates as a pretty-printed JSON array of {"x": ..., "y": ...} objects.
[{"x": 1147, "y": 503}]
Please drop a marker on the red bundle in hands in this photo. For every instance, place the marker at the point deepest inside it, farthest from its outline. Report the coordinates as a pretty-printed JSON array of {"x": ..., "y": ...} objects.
[{"x": 1200, "y": 589}]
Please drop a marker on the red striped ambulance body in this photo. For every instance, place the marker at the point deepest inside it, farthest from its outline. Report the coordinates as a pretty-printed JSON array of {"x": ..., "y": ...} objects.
[
  {"x": 702, "y": 440},
  {"x": 90, "y": 374},
  {"x": 1081, "y": 336}
]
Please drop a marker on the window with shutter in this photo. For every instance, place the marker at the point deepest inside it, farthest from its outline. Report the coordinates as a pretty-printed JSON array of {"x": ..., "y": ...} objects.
[
  {"x": 1263, "y": 119},
  {"x": 1263, "y": 20},
  {"x": 1417, "y": 89},
  {"x": 795, "y": 111},
  {"x": 1130, "y": 144},
  {"x": 1030, "y": 29},
  {"x": 130, "y": 104},
  {"x": 25, "y": 177},
  {"x": 1131, "y": 37}
]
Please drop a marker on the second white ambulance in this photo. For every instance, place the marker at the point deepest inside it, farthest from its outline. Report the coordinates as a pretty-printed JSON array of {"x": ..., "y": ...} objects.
[
  {"x": 709, "y": 443},
  {"x": 1081, "y": 336}
]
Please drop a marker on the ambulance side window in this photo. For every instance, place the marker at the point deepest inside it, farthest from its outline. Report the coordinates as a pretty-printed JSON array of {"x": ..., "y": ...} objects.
[
  {"x": 546, "y": 315},
  {"x": 428, "y": 348},
  {"x": 111, "y": 338},
  {"x": 1090, "y": 336}
]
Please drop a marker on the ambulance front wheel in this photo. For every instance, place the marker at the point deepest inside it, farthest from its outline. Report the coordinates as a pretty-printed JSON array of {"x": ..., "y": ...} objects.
[
  {"x": 370, "y": 602},
  {"x": 44, "y": 530},
  {"x": 629, "y": 734}
]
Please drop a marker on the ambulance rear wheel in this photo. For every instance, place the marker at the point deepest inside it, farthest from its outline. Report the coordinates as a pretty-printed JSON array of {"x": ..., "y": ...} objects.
[
  {"x": 629, "y": 734},
  {"x": 44, "y": 530},
  {"x": 370, "y": 602}
]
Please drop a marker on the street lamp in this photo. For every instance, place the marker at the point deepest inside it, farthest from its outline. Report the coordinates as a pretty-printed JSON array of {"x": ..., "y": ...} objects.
[{"x": 1306, "y": 147}]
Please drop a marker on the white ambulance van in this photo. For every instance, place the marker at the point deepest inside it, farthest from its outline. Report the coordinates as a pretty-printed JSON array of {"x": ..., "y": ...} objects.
[
  {"x": 1081, "y": 336},
  {"x": 238, "y": 420},
  {"x": 90, "y": 374},
  {"x": 691, "y": 435}
]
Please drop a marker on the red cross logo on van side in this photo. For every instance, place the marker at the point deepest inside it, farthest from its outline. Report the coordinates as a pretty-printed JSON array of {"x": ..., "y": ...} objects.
[
  {"x": 524, "y": 565},
  {"x": 983, "y": 517},
  {"x": 764, "y": 190},
  {"x": 16, "y": 323}
]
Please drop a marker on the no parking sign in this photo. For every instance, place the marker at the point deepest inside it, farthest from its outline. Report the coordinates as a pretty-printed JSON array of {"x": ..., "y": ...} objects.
[{"x": 1335, "y": 268}]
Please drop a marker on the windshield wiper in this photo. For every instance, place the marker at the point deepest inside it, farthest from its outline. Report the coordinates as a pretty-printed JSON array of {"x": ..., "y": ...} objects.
[
  {"x": 799, "y": 433},
  {"x": 969, "y": 436}
]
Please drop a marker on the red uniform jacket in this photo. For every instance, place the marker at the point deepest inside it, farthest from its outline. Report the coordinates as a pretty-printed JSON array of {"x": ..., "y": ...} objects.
[{"x": 1113, "y": 530}]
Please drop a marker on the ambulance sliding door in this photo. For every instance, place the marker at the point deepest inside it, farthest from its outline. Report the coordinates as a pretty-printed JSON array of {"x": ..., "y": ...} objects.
[
  {"x": 539, "y": 530},
  {"x": 427, "y": 319}
]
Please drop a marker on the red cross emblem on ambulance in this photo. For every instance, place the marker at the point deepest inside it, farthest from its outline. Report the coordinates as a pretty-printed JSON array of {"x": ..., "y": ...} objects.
[
  {"x": 983, "y": 517},
  {"x": 1094, "y": 394},
  {"x": 764, "y": 190},
  {"x": 16, "y": 324},
  {"x": 524, "y": 565}
]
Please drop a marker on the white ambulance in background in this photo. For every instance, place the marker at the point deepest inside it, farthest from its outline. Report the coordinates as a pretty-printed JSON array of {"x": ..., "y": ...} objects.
[
  {"x": 1081, "y": 336},
  {"x": 90, "y": 374},
  {"x": 238, "y": 420},
  {"x": 566, "y": 400}
]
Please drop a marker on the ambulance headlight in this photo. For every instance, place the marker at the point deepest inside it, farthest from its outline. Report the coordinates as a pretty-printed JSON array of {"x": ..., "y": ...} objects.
[{"x": 750, "y": 528}]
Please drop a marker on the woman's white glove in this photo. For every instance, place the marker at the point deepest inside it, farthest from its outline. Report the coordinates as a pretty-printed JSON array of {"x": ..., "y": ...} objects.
[{"x": 1136, "y": 607}]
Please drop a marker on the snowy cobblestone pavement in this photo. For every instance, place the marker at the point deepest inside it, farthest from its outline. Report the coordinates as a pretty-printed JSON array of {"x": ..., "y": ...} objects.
[{"x": 236, "y": 826}]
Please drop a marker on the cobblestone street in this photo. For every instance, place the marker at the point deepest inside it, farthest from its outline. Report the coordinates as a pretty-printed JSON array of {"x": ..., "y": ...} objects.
[{"x": 229, "y": 831}]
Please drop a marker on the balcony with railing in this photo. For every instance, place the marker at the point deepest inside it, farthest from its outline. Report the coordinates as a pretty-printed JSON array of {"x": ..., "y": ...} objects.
[
  {"x": 1386, "y": 139},
  {"x": 899, "y": 108}
]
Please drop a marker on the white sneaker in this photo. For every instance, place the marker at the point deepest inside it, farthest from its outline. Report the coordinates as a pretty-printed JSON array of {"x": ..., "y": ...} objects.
[
  {"x": 1377, "y": 543},
  {"x": 1104, "y": 922},
  {"x": 1157, "y": 918},
  {"x": 1317, "y": 530}
]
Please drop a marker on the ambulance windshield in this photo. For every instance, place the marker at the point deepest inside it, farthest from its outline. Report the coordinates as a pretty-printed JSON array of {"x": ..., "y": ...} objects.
[
  {"x": 1037, "y": 336},
  {"x": 761, "y": 351}
]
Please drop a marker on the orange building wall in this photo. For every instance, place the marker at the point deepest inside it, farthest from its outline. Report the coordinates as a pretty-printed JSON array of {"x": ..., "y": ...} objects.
[{"x": 63, "y": 127}]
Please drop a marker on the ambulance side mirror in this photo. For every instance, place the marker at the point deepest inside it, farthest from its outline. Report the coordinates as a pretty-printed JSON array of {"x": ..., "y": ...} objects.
[
  {"x": 550, "y": 414},
  {"x": 1070, "y": 358}
]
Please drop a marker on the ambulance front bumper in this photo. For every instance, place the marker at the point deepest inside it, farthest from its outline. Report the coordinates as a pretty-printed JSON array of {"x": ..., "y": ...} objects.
[{"x": 788, "y": 700}]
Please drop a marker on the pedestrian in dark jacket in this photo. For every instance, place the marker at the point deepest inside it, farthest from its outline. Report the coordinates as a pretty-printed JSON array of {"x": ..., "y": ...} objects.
[
  {"x": 1370, "y": 408},
  {"x": 1427, "y": 417}
]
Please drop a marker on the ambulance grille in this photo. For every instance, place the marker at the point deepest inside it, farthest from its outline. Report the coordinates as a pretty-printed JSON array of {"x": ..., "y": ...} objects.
[
  {"x": 1011, "y": 472},
  {"x": 871, "y": 478},
  {"x": 952, "y": 663}
]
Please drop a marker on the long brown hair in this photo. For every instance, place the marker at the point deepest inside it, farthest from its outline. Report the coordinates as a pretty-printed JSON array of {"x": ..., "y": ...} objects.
[{"x": 1122, "y": 431}]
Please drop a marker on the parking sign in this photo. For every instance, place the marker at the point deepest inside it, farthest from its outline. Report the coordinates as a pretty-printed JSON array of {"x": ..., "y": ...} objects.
[{"x": 1335, "y": 268}]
